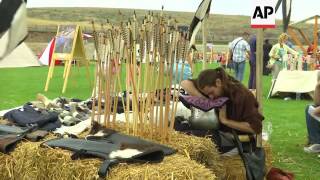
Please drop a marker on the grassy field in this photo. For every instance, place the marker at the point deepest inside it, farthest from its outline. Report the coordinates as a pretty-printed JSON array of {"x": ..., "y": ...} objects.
[{"x": 288, "y": 137}]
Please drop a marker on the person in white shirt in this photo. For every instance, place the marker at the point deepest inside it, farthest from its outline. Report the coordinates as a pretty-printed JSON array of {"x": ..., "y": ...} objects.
[{"x": 239, "y": 51}]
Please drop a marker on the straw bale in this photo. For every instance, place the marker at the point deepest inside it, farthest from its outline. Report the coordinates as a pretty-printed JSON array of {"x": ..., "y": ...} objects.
[
  {"x": 200, "y": 149},
  {"x": 268, "y": 151},
  {"x": 173, "y": 167},
  {"x": 235, "y": 169},
  {"x": 30, "y": 161}
]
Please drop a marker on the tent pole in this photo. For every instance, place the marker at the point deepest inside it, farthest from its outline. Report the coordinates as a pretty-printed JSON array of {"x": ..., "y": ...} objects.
[
  {"x": 315, "y": 35},
  {"x": 204, "y": 42}
]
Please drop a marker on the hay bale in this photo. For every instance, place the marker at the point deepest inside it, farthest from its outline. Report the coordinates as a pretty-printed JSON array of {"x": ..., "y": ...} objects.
[
  {"x": 30, "y": 161},
  {"x": 200, "y": 149},
  {"x": 235, "y": 169},
  {"x": 268, "y": 151},
  {"x": 5, "y": 163},
  {"x": 173, "y": 167}
]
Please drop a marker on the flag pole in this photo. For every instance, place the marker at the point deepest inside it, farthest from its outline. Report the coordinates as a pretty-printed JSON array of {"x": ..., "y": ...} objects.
[
  {"x": 204, "y": 42},
  {"x": 259, "y": 67}
]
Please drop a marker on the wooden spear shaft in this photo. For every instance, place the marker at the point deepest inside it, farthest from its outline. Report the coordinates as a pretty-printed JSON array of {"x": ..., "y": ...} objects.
[
  {"x": 147, "y": 78},
  {"x": 175, "y": 95},
  {"x": 133, "y": 73},
  {"x": 111, "y": 87},
  {"x": 150, "y": 74},
  {"x": 185, "y": 55},
  {"x": 117, "y": 83},
  {"x": 106, "y": 75},
  {"x": 168, "y": 54},
  {"x": 97, "y": 73}
]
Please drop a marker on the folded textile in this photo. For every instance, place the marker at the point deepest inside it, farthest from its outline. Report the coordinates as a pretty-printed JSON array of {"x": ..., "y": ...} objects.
[
  {"x": 7, "y": 129},
  {"x": 27, "y": 115},
  {"x": 36, "y": 135},
  {"x": 11, "y": 135},
  {"x": 3, "y": 112},
  {"x": 69, "y": 120},
  {"x": 8, "y": 142},
  {"x": 99, "y": 133},
  {"x": 202, "y": 103},
  {"x": 74, "y": 130}
]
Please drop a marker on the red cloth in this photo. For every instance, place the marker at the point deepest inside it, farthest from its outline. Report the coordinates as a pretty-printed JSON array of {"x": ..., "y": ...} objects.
[
  {"x": 278, "y": 174},
  {"x": 310, "y": 49}
]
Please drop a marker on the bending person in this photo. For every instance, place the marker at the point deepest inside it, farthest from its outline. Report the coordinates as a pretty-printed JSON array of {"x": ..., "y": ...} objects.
[
  {"x": 241, "y": 111},
  {"x": 277, "y": 53}
]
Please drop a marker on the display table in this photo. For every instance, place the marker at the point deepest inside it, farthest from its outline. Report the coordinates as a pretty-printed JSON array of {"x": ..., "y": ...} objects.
[{"x": 296, "y": 81}]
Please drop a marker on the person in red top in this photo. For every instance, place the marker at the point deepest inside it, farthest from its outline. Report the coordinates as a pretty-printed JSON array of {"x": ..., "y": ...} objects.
[{"x": 310, "y": 49}]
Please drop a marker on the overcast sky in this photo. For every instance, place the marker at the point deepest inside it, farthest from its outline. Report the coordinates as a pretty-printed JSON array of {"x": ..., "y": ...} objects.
[{"x": 301, "y": 9}]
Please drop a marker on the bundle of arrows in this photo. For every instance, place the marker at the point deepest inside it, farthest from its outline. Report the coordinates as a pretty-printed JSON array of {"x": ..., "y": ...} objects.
[{"x": 137, "y": 66}]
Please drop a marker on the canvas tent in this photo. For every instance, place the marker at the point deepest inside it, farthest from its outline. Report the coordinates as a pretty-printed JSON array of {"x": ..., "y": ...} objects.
[
  {"x": 22, "y": 56},
  {"x": 45, "y": 57},
  {"x": 296, "y": 82}
]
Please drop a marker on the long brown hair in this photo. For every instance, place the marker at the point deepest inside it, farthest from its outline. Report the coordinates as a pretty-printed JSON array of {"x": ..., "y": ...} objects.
[{"x": 208, "y": 77}]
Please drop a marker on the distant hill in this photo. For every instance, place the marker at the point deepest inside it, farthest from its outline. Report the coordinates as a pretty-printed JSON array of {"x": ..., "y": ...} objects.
[{"x": 221, "y": 28}]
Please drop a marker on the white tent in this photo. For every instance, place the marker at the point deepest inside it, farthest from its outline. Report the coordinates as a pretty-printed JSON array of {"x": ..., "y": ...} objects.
[
  {"x": 45, "y": 58},
  {"x": 22, "y": 56},
  {"x": 46, "y": 55}
]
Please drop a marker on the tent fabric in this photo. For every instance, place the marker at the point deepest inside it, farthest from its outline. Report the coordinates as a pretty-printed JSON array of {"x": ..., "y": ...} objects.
[
  {"x": 47, "y": 53},
  {"x": 22, "y": 56},
  {"x": 296, "y": 81}
]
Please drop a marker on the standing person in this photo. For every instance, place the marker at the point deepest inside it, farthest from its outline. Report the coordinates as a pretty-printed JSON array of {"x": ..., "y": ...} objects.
[
  {"x": 241, "y": 111},
  {"x": 266, "y": 49},
  {"x": 277, "y": 53},
  {"x": 223, "y": 60},
  {"x": 239, "y": 50},
  {"x": 252, "y": 63},
  {"x": 312, "y": 113}
]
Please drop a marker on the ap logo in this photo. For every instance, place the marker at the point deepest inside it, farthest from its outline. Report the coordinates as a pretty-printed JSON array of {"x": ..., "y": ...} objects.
[{"x": 263, "y": 14}]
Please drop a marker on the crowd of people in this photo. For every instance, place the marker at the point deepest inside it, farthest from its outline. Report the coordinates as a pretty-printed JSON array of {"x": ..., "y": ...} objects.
[
  {"x": 244, "y": 48},
  {"x": 241, "y": 112}
]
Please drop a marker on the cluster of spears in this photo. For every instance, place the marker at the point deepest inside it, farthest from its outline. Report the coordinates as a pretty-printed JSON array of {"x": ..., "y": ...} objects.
[{"x": 144, "y": 56}]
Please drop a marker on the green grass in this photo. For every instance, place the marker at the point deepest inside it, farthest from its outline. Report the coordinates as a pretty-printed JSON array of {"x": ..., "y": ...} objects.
[{"x": 20, "y": 85}]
